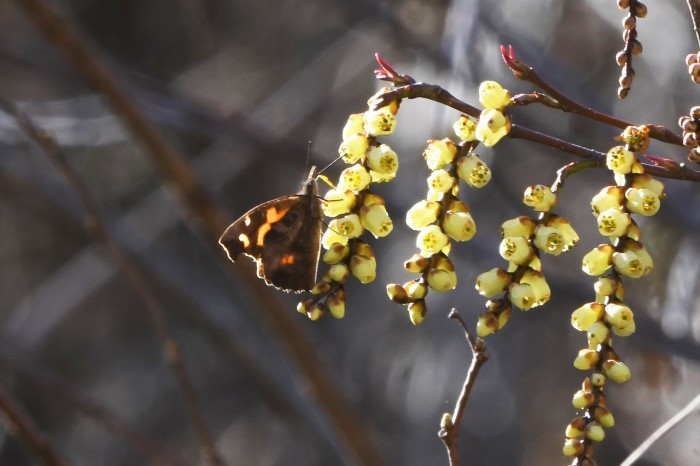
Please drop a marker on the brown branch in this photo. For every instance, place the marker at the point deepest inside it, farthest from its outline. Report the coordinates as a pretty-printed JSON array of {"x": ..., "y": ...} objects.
[
  {"x": 527, "y": 73},
  {"x": 70, "y": 394},
  {"x": 440, "y": 95},
  {"x": 694, "y": 7},
  {"x": 449, "y": 425},
  {"x": 21, "y": 425},
  {"x": 201, "y": 206},
  {"x": 95, "y": 226}
]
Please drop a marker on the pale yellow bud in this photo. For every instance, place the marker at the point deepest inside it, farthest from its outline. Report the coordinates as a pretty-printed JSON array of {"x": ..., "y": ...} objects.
[
  {"x": 492, "y": 95},
  {"x": 338, "y": 202},
  {"x": 519, "y": 226},
  {"x": 598, "y": 260},
  {"x": 618, "y": 315},
  {"x": 573, "y": 447},
  {"x": 620, "y": 160},
  {"x": 348, "y": 226},
  {"x": 642, "y": 201},
  {"x": 575, "y": 428},
  {"x": 516, "y": 249},
  {"x": 586, "y": 359},
  {"x": 363, "y": 268},
  {"x": 331, "y": 237},
  {"x": 417, "y": 264},
  {"x": 439, "y": 153},
  {"x": 431, "y": 240},
  {"x": 521, "y": 295},
  {"x": 646, "y": 181},
  {"x": 422, "y": 214},
  {"x": 415, "y": 289},
  {"x": 416, "y": 311},
  {"x": 473, "y": 170},
  {"x": 598, "y": 333},
  {"x": 583, "y": 317},
  {"x": 336, "y": 253},
  {"x": 376, "y": 220},
  {"x": 354, "y": 125},
  {"x": 493, "y": 282},
  {"x": 549, "y": 240},
  {"x": 613, "y": 222},
  {"x": 465, "y": 128},
  {"x": 339, "y": 272},
  {"x": 616, "y": 371},
  {"x": 492, "y": 126},
  {"x": 459, "y": 226},
  {"x": 441, "y": 181},
  {"x": 540, "y": 197},
  {"x": 442, "y": 280},
  {"x": 353, "y": 147},
  {"x": 539, "y": 286},
  {"x": 383, "y": 160},
  {"x": 607, "y": 198},
  {"x": 354, "y": 178},
  {"x": 595, "y": 432},
  {"x": 379, "y": 122}
]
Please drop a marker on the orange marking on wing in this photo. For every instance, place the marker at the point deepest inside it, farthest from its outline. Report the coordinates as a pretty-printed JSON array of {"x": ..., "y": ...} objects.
[
  {"x": 272, "y": 215},
  {"x": 287, "y": 260}
]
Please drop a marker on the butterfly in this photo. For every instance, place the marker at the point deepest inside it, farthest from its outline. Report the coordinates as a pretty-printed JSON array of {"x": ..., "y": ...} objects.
[{"x": 283, "y": 236}]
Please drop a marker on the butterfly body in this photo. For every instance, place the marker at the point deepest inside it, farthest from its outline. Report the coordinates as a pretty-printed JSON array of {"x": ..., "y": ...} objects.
[{"x": 283, "y": 236}]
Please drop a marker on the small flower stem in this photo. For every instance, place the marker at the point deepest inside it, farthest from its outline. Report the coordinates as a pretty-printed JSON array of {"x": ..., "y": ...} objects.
[
  {"x": 694, "y": 405},
  {"x": 450, "y": 431}
]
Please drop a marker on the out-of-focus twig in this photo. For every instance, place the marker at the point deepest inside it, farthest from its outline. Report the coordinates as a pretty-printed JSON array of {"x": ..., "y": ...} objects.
[
  {"x": 694, "y": 6},
  {"x": 22, "y": 426},
  {"x": 202, "y": 207},
  {"x": 661, "y": 431},
  {"x": 95, "y": 226},
  {"x": 450, "y": 423},
  {"x": 60, "y": 388}
]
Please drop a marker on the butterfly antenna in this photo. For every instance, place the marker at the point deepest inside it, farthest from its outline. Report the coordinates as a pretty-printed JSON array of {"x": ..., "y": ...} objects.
[{"x": 329, "y": 165}]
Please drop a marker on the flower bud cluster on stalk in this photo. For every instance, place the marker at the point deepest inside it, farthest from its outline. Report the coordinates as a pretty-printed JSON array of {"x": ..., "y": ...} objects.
[
  {"x": 523, "y": 284},
  {"x": 690, "y": 124},
  {"x": 635, "y": 193},
  {"x": 636, "y": 9},
  {"x": 442, "y": 217},
  {"x": 355, "y": 209}
]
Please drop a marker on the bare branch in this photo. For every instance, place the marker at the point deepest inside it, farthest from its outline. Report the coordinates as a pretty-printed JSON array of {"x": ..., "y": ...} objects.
[{"x": 449, "y": 425}]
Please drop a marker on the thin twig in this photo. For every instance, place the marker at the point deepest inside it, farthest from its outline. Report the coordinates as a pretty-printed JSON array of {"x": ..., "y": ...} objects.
[
  {"x": 527, "y": 73},
  {"x": 171, "y": 349},
  {"x": 440, "y": 95},
  {"x": 694, "y": 6},
  {"x": 449, "y": 425},
  {"x": 661, "y": 431},
  {"x": 67, "y": 392},
  {"x": 202, "y": 207},
  {"x": 20, "y": 424}
]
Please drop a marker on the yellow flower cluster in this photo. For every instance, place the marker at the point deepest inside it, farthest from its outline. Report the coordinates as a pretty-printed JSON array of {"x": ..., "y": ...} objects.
[
  {"x": 523, "y": 239},
  {"x": 608, "y": 315},
  {"x": 355, "y": 209},
  {"x": 441, "y": 217}
]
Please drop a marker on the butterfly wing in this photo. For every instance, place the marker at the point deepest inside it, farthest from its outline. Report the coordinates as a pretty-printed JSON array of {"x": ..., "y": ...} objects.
[
  {"x": 290, "y": 256},
  {"x": 283, "y": 236}
]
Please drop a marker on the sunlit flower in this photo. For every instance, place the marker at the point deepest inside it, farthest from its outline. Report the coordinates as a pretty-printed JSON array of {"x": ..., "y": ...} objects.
[
  {"x": 620, "y": 160},
  {"x": 465, "y": 128},
  {"x": 376, "y": 219},
  {"x": 642, "y": 201},
  {"x": 549, "y": 240},
  {"x": 520, "y": 226},
  {"x": 441, "y": 181},
  {"x": 609, "y": 197},
  {"x": 492, "y": 95},
  {"x": 379, "y": 122},
  {"x": 422, "y": 214},
  {"x": 473, "y": 170},
  {"x": 597, "y": 261},
  {"x": 521, "y": 295},
  {"x": 354, "y": 125},
  {"x": 492, "y": 126},
  {"x": 540, "y": 197},
  {"x": 354, "y": 178},
  {"x": 353, "y": 147},
  {"x": 383, "y": 160},
  {"x": 431, "y": 240},
  {"x": 348, "y": 226},
  {"x": 338, "y": 202},
  {"x": 439, "y": 153},
  {"x": 516, "y": 249},
  {"x": 613, "y": 222},
  {"x": 459, "y": 226},
  {"x": 493, "y": 282}
]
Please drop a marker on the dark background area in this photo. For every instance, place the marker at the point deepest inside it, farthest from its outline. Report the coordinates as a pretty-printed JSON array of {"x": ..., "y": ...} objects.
[{"x": 239, "y": 87}]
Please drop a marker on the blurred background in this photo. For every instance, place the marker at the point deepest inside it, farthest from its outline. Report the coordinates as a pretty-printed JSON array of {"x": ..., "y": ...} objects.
[{"x": 238, "y": 88}]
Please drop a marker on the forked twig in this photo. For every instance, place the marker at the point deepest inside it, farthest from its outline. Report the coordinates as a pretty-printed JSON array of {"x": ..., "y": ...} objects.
[{"x": 450, "y": 423}]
